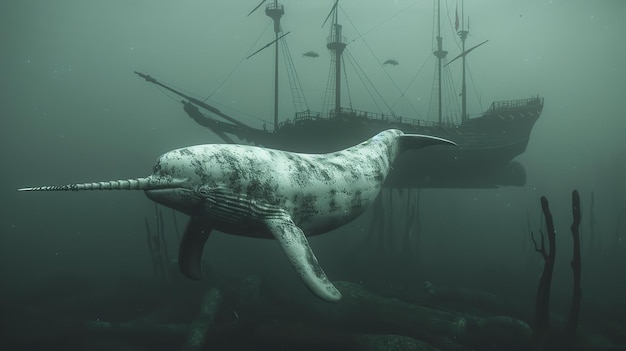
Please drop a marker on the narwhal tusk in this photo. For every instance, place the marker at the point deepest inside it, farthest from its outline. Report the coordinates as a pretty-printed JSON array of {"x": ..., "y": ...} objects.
[{"x": 124, "y": 184}]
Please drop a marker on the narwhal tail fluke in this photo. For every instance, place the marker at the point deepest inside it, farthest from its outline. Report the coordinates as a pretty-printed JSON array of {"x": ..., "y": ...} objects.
[
  {"x": 125, "y": 184},
  {"x": 417, "y": 141}
]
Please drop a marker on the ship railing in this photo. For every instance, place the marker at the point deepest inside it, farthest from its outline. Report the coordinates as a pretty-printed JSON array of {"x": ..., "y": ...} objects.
[
  {"x": 513, "y": 104},
  {"x": 358, "y": 114},
  {"x": 496, "y": 108}
]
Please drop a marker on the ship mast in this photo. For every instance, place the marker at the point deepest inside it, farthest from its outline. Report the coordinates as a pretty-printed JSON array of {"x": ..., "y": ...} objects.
[
  {"x": 463, "y": 35},
  {"x": 275, "y": 11},
  {"x": 440, "y": 54},
  {"x": 336, "y": 43}
]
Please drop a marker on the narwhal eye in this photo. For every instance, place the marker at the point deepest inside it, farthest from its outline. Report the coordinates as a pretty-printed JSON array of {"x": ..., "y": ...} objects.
[
  {"x": 203, "y": 190},
  {"x": 157, "y": 167}
]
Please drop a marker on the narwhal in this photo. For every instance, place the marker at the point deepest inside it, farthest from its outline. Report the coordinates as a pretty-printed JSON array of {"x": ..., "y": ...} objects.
[{"x": 265, "y": 193}]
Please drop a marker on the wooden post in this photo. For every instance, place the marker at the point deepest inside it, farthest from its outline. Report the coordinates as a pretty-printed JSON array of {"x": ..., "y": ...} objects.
[{"x": 572, "y": 320}]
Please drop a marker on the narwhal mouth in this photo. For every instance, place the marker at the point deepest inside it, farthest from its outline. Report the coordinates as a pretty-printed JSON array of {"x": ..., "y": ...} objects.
[
  {"x": 147, "y": 183},
  {"x": 178, "y": 198}
]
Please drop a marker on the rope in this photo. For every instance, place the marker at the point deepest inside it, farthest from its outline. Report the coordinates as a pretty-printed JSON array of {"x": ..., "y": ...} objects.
[
  {"x": 382, "y": 23},
  {"x": 297, "y": 93},
  {"x": 239, "y": 63},
  {"x": 345, "y": 75},
  {"x": 451, "y": 96},
  {"x": 403, "y": 93},
  {"x": 366, "y": 82},
  {"x": 329, "y": 93},
  {"x": 478, "y": 97}
]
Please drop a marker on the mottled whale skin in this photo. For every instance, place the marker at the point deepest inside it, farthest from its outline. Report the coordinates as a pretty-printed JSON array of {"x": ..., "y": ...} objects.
[{"x": 265, "y": 193}]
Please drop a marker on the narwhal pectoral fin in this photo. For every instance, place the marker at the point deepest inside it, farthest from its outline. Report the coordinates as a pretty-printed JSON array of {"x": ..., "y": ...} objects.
[
  {"x": 295, "y": 245},
  {"x": 191, "y": 247}
]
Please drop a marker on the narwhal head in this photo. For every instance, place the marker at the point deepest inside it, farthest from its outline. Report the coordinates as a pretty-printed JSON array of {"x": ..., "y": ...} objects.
[
  {"x": 176, "y": 181},
  {"x": 188, "y": 175}
]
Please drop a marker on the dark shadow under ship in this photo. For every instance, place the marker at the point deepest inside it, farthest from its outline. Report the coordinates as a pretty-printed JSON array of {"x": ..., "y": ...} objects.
[{"x": 487, "y": 143}]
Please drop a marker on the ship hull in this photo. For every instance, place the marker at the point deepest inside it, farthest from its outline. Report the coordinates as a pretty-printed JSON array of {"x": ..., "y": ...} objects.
[{"x": 487, "y": 145}]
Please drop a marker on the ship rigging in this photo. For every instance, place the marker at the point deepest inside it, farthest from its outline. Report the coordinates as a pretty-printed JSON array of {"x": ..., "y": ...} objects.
[{"x": 488, "y": 142}]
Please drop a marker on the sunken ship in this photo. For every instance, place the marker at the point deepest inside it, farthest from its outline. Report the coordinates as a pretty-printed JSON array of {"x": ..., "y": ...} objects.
[{"x": 488, "y": 142}]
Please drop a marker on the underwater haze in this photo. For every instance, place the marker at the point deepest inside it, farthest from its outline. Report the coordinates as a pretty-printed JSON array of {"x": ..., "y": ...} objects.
[{"x": 74, "y": 111}]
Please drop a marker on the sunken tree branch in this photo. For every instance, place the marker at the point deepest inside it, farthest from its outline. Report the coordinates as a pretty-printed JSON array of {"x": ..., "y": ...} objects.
[
  {"x": 572, "y": 321},
  {"x": 541, "y": 323}
]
